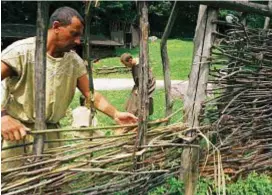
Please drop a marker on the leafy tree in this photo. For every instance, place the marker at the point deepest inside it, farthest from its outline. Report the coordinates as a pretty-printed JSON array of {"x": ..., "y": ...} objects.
[{"x": 184, "y": 26}]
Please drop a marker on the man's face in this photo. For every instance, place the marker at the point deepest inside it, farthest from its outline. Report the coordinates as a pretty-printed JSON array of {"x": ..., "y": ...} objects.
[
  {"x": 128, "y": 63},
  {"x": 69, "y": 36}
]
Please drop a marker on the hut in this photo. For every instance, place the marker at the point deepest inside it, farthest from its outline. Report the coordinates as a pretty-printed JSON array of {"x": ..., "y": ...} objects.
[{"x": 102, "y": 46}]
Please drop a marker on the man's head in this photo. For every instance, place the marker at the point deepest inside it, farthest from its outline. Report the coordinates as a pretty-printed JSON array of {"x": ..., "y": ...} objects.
[
  {"x": 67, "y": 26},
  {"x": 127, "y": 60}
]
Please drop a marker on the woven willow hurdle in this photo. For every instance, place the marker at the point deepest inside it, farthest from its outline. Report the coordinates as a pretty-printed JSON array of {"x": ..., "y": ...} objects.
[
  {"x": 241, "y": 110},
  {"x": 104, "y": 165},
  {"x": 238, "y": 121}
]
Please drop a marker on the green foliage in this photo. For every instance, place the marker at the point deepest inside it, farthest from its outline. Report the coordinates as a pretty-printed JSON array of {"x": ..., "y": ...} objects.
[
  {"x": 253, "y": 20},
  {"x": 172, "y": 186},
  {"x": 116, "y": 11},
  {"x": 161, "y": 8},
  {"x": 203, "y": 186},
  {"x": 254, "y": 184}
]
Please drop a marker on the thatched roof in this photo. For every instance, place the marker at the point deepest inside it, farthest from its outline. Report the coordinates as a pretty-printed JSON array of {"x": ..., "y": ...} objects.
[{"x": 27, "y": 30}]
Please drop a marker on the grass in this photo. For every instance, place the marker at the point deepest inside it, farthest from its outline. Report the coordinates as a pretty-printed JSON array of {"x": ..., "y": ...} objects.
[
  {"x": 118, "y": 99},
  {"x": 180, "y": 57}
]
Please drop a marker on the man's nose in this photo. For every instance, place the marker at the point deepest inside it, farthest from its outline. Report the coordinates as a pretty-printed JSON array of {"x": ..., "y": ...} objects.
[{"x": 77, "y": 41}]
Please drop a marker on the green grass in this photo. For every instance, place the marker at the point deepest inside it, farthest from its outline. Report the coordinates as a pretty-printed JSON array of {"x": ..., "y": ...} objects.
[
  {"x": 118, "y": 99},
  {"x": 180, "y": 57}
]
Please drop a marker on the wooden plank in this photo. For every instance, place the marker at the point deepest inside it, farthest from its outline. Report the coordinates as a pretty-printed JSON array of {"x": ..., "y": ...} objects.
[
  {"x": 40, "y": 74},
  {"x": 240, "y": 6},
  {"x": 165, "y": 60},
  {"x": 196, "y": 92},
  {"x": 267, "y": 19}
]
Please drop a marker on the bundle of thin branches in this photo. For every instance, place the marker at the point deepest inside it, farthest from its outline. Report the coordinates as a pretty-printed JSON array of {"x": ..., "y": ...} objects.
[
  {"x": 241, "y": 108},
  {"x": 101, "y": 165},
  {"x": 112, "y": 69}
]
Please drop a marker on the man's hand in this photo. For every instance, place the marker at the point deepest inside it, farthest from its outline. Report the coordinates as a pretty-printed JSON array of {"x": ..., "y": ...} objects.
[
  {"x": 123, "y": 118},
  {"x": 12, "y": 129}
]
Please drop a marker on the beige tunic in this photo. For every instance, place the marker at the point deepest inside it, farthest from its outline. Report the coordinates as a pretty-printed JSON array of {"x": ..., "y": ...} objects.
[{"x": 61, "y": 81}]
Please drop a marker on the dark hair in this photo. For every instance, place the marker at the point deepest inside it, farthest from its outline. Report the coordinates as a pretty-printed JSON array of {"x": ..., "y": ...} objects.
[
  {"x": 125, "y": 57},
  {"x": 64, "y": 15}
]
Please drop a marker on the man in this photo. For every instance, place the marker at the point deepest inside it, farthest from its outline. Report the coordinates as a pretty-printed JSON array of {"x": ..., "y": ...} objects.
[
  {"x": 64, "y": 72},
  {"x": 132, "y": 103}
]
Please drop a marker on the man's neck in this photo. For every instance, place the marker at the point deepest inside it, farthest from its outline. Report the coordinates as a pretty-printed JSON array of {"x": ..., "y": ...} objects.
[{"x": 51, "y": 47}]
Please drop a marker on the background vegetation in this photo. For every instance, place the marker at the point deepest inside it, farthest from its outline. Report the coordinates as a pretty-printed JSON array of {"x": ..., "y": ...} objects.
[
  {"x": 254, "y": 184},
  {"x": 24, "y": 12},
  {"x": 180, "y": 55}
]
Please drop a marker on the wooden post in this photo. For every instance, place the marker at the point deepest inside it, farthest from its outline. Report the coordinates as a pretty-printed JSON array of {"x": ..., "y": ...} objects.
[
  {"x": 88, "y": 59},
  {"x": 267, "y": 19},
  {"x": 143, "y": 73},
  {"x": 165, "y": 60},
  {"x": 40, "y": 74},
  {"x": 196, "y": 92}
]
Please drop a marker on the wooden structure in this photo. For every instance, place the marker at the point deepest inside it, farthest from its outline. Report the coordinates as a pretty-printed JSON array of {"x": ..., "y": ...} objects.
[
  {"x": 102, "y": 47},
  {"x": 125, "y": 33},
  {"x": 138, "y": 162}
]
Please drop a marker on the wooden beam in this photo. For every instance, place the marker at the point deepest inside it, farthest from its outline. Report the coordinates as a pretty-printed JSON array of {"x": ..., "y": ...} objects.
[
  {"x": 40, "y": 74},
  {"x": 196, "y": 91},
  {"x": 165, "y": 60},
  {"x": 240, "y": 6},
  {"x": 143, "y": 74},
  {"x": 267, "y": 19}
]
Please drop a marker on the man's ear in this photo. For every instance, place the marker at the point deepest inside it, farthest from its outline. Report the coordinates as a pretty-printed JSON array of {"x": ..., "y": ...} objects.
[{"x": 56, "y": 25}]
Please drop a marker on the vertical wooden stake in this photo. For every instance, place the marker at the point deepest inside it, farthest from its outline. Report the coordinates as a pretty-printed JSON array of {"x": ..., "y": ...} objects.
[
  {"x": 143, "y": 73},
  {"x": 143, "y": 81},
  {"x": 196, "y": 92},
  {"x": 88, "y": 59},
  {"x": 165, "y": 60},
  {"x": 40, "y": 74}
]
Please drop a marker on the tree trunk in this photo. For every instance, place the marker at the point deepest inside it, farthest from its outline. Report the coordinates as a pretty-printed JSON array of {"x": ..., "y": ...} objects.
[
  {"x": 40, "y": 74},
  {"x": 240, "y": 6},
  {"x": 165, "y": 60},
  {"x": 196, "y": 91},
  {"x": 267, "y": 19}
]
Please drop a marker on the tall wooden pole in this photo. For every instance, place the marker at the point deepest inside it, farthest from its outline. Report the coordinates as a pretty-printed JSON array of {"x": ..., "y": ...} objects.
[
  {"x": 143, "y": 81},
  {"x": 40, "y": 74},
  {"x": 196, "y": 91},
  {"x": 267, "y": 19},
  {"x": 143, "y": 73},
  {"x": 87, "y": 58},
  {"x": 165, "y": 60}
]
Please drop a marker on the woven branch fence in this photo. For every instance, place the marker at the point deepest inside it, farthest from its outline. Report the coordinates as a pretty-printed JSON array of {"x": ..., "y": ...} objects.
[
  {"x": 241, "y": 108},
  {"x": 237, "y": 121},
  {"x": 104, "y": 165}
]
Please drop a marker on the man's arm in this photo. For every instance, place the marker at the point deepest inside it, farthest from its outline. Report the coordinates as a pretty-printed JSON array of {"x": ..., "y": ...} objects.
[
  {"x": 6, "y": 71},
  {"x": 103, "y": 105},
  {"x": 11, "y": 129}
]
